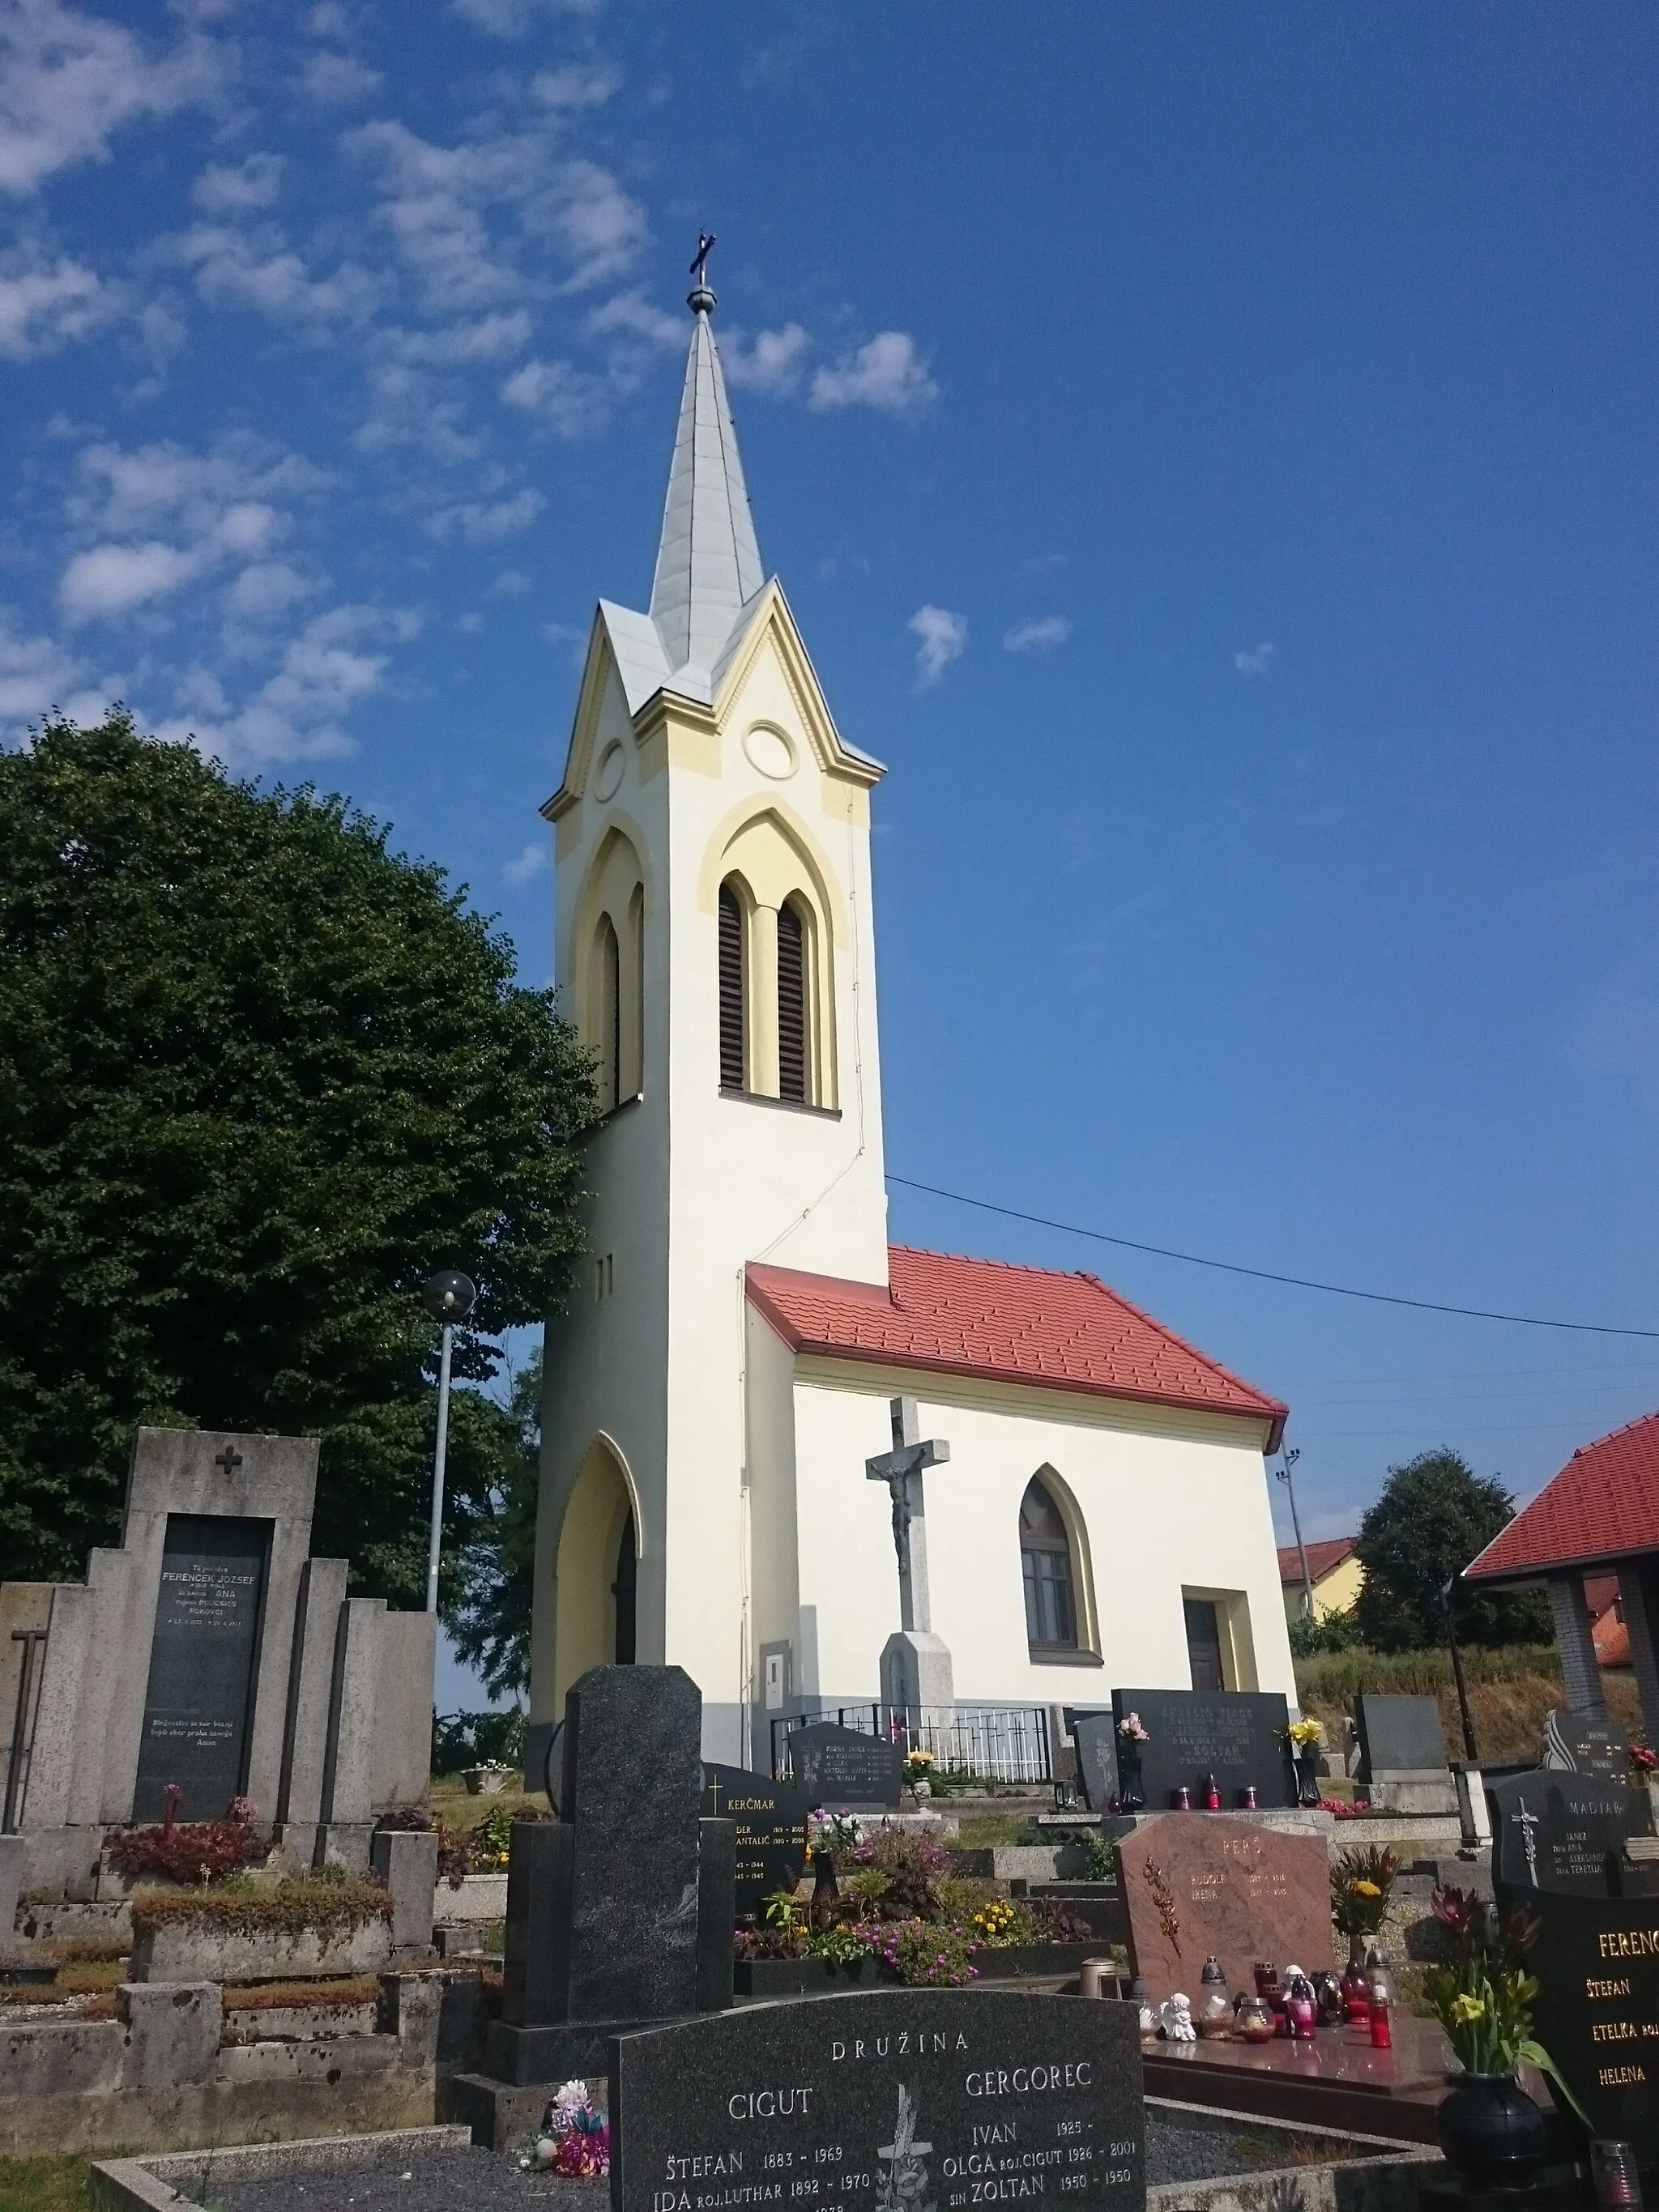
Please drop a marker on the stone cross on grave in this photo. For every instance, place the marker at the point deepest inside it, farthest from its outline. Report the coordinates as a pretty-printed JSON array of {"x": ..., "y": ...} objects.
[
  {"x": 229, "y": 1459},
  {"x": 901, "y": 1469},
  {"x": 915, "y": 1663}
]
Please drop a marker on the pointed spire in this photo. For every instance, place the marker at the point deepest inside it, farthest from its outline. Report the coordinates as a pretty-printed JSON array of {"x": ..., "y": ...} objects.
[{"x": 708, "y": 564}]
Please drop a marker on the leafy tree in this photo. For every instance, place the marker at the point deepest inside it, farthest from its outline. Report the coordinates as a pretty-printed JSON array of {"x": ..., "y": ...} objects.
[
  {"x": 490, "y": 1623},
  {"x": 1434, "y": 1514},
  {"x": 259, "y": 1075}
]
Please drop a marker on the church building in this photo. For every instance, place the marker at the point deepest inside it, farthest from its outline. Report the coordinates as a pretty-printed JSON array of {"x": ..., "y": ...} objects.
[{"x": 727, "y": 1364}]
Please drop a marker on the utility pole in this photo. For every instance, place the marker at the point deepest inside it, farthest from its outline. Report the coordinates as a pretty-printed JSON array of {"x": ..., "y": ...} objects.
[
  {"x": 449, "y": 1298},
  {"x": 1283, "y": 1475},
  {"x": 1446, "y": 1597}
]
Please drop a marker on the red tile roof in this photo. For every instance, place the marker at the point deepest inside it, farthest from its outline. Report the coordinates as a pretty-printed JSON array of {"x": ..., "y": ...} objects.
[
  {"x": 1604, "y": 1505},
  {"x": 1322, "y": 1558},
  {"x": 1019, "y": 1324}
]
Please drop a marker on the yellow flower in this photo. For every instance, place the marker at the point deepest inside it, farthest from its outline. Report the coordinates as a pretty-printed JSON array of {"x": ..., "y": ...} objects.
[
  {"x": 1467, "y": 2007},
  {"x": 1366, "y": 1889}
]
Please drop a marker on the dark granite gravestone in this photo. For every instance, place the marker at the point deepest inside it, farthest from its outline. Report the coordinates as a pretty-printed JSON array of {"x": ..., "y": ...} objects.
[
  {"x": 1565, "y": 1833},
  {"x": 899, "y": 2100},
  {"x": 200, "y": 1665},
  {"x": 770, "y": 1818},
  {"x": 1095, "y": 1737},
  {"x": 1597, "y": 2015},
  {"x": 1580, "y": 1744},
  {"x": 843, "y": 1770},
  {"x": 1236, "y": 1736},
  {"x": 1398, "y": 1735},
  {"x": 621, "y": 1910}
]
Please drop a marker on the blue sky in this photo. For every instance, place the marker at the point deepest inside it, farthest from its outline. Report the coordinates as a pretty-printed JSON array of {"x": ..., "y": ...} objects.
[{"x": 1210, "y": 454}]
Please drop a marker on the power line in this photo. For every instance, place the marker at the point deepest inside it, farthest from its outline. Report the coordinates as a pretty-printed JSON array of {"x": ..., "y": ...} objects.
[{"x": 1266, "y": 1274}]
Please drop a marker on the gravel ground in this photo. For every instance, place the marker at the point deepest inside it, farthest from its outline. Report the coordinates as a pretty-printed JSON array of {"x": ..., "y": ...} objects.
[{"x": 481, "y": 2181}]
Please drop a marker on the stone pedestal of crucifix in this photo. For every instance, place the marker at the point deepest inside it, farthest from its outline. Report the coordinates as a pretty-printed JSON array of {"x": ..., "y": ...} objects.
[{"x": 915, "y": 1663}]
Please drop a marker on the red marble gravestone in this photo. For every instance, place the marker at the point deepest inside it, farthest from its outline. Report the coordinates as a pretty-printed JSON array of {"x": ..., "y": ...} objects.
[{"x": 1198, "y": 1883}]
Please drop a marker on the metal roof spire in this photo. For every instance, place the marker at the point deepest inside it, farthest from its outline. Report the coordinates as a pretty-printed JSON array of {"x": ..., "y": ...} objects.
[{"x": 709, "y": 563}]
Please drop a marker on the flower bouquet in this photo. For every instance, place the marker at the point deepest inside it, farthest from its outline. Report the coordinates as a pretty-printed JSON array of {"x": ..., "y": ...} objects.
[
  {"x": 575, "y": 2138},
  {"x": 1131, "y": 1735},
  {"x": 1302, "y": 1740}
]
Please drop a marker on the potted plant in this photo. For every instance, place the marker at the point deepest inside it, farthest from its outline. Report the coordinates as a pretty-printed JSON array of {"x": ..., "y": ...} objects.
[
  {"x": 488, "y": 1779},
  {"x": 1491, "y": 2132},
  {"x": 919, "y": 1772},
  {"x": 1302, "y": 1739},
  {"x": 1361, "y": 1884},
  {"x": 1131, "y": 1736}
]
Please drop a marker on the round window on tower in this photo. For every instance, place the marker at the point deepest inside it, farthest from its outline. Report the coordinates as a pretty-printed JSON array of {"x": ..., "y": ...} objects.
[
  {"x": 607, "y": 780},
  {"x": 770, "y": 752}
]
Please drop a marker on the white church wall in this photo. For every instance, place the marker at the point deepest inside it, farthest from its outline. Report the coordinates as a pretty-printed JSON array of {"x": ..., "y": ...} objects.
[{"x": 1175, "y": 1504}]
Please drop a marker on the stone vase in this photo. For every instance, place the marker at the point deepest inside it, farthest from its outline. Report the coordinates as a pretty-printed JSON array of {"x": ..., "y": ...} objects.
[
  {"x": 1491, "y": 2132},
  {"x": 1131, "y": 1796},
  {"x": 1308, "y": 1791}
]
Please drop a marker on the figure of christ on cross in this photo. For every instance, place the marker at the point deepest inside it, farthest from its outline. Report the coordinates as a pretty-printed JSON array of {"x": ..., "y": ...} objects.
[{"x": 901, "y": 1469}]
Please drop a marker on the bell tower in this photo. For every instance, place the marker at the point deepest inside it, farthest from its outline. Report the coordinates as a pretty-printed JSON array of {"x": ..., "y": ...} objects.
[{"x": 715, "y": 948}]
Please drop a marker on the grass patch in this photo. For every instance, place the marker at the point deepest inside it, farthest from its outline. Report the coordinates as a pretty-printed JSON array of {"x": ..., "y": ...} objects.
[
  {"x": 978, "y": 1829},
  {"x": 266, "y": 1996},
  {"x": 47, "y": 2184},
  {"x": 1509, "y": 1692},
  {"x": 330, "y": 1907}
]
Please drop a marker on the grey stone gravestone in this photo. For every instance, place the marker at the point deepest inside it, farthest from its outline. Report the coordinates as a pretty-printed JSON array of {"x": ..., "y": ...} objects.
[
  {"x": 1398, "y": 1735},
  {"x": 844, "y": 1770},
  {"x": 902, "y": 2101},
  {"x": 771, "y": 1819},
  {"x": 1580, "y": 1744},
  {"x": 621, "y": 1910},
  {"x": 1236, "y": 1736},
  {"x": 1095, "y": 1737},
  {"x": 1597, "y": 2015},
  {"x": 1564, "y": 1834},
  {"x": 199, "y": 1701}
]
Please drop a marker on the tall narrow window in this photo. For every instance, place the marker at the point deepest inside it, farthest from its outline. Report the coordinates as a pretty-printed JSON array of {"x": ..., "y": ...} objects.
[
  {"x": 622, "y": 1590},
  {"x": 634, "y": 1070},
  {"x": 1045, "y": 1558},
  {"x": 733, "y": 1054},
  {"x": 1204, "y": 1643},
  {"x": 606, "y": 1010},
  {"x": 791, "y": 1004}
]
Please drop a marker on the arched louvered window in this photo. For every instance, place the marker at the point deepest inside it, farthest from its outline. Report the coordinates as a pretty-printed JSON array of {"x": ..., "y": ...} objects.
[
  {"x": 733, "y": 1053},
  {"x": 792, "y": 1003},
  {"x": 633, "y": 1060},
  {"x": 607, "y": 1011},
  {"x": 1045, "y": 1558}
]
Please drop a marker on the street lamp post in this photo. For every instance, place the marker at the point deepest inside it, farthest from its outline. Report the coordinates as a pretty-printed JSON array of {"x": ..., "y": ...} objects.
[{"x": 449, "y": 1298}]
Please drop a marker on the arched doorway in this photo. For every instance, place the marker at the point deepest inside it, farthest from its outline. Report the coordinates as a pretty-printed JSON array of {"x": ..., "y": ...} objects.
[{"x": 595, "y": 1571}]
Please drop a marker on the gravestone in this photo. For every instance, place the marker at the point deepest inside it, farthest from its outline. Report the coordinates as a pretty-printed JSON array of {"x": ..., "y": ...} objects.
[
  {"x": 771, "y": 1819},
  {"x": 199, "y": 1701},
  {"x": 1095, "y": 1737},
  {"x": 1198, "y": 1884},
  {"x": 1564, "y": 1834},
  {"x": 621, "y": 1910},
  {"x": 1236, "y": 1736},
  {"x": 1398, "y": 1735},
  {"x": 902, "y": 2101},
  {"x": 1597, "y": 2013},
  {"x": 1577, "y": 1743},
  {"x": 844, "y": 1771}
]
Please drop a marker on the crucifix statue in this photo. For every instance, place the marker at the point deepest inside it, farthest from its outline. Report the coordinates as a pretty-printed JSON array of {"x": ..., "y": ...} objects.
[
  {"x": 901, "y": 1470},
  {"x": 915, "y": 1663}
]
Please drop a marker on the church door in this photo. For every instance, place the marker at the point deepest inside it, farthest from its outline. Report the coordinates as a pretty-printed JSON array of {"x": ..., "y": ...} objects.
[
  {"x": 622, "y": 1590},
  {"x": 1204, "y": 1644}
]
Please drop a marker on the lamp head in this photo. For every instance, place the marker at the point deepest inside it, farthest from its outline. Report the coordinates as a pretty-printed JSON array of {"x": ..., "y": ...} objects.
[{"x": 449, "y": 1297}]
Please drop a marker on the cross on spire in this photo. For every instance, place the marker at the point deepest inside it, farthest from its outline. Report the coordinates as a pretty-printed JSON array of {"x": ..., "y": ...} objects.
[{"x": 901, "y": 1469}]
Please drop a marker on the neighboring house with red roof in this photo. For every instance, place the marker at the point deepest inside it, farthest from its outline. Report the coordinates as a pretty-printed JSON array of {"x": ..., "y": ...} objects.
[
  {"x": 726, "y": 1368},
  {"x": 1596, "y": 1520},
  {"x": 1335, "y": 1573}
]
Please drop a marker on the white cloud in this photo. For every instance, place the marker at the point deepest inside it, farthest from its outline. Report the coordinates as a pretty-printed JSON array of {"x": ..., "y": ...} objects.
[
  {"x": 770, "y": 363},
  {"x": 527, "y": 863},
  {"x": 576, "y": 84},
  {"x": 255, "y": 268},
  {"x": 69, "y": 81},
  {"x": 161, "y": 517},
  {"x": 35, "y": 673},
  {"x": 942, "y": 638},
  {"x": 264, "y": 591},
  {"x": 44, "y": 306},
  {"x": 601, "y": 227},
  {"x": 511, "y": 584},
  {"x": 511, "y": 18},
  {"x": 631, "y": 314},
  {"x": 1255, "y": 662},
  {"x": 481, "y": 522},
  {"x": 254, "y": 183},
  {"x": 1041, "y": 633},
  {"x": 569, "y": 401},
  {"x": 296, "y": 714},
  {"x": 888, "y": 374},
  {"x": 337, "y": 80},
  {"x": 491, "y": 337}
]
